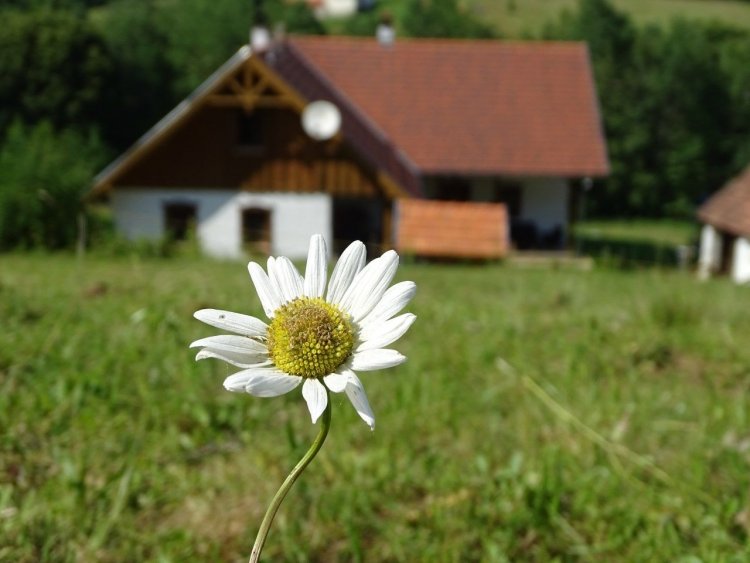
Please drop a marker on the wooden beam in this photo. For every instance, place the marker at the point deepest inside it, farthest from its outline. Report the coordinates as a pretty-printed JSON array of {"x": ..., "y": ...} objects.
[
  {"x": 390, "y": 187},
  {"x": 235, "y": 86},
  {"x": 250, "y": 101}
]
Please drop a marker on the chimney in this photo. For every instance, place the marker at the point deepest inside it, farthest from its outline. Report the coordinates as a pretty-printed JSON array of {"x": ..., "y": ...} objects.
[
  {"x": 385, "y": 33},
  {"x": 260, "y": 36}
]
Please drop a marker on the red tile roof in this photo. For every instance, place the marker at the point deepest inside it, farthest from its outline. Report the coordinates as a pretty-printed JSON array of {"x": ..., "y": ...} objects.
[
  {"x": 473, "y": 107},
  {"x": 729, "y": 208}
]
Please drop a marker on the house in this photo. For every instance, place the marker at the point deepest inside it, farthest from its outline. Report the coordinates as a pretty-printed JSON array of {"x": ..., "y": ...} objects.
[
  {"x": 725, "y": 236},
  {"x": 487, "y": 121}
]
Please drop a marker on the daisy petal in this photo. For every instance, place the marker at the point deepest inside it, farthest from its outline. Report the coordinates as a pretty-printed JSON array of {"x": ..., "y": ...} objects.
[
  {"x": 369, "y": 286},
  {"x": 384, "y": 333},
  {"x": 261, "y": 382},
  {"x": 315, "y": 272},
  {"x": 287, "y": 278},
  {"x": 395, "y": 299},
  {"x": 233, "y": 322},
  {"x": 336, "y": 382},
  {"x": 239, "y": 360},
  {"x": 356, "y": 393},
  {"x": 316, "y": 396},
  {"x": 380, "y": 358},
  {"x": 231, "y": 343},
  {"x": 352, "y": 260},
  {"x": 269, "y": 297}
]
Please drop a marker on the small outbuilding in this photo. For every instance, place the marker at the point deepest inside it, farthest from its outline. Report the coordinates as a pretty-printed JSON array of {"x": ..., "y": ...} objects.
[{"x": 725, "y": 236}]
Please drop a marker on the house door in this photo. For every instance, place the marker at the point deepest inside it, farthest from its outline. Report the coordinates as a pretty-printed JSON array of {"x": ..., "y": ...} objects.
[
  {"x": 727, "y": 253},
  {"x": 357, "y": 219},
  {"x": 256, "y": 230}
]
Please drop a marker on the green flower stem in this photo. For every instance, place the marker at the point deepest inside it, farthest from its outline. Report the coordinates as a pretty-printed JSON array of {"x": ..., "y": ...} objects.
[{"x": 265, "y": 525}]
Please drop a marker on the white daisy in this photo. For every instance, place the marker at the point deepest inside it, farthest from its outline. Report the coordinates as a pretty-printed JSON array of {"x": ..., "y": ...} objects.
[{"x": 312, "y": 339}]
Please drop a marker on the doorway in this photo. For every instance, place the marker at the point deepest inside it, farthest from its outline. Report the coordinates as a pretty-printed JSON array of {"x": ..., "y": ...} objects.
[
  {"x": 256, "y": 230},
  {"x": 357, "y": 219}
]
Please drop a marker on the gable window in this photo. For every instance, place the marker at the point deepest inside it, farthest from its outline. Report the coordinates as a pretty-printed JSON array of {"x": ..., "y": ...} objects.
[
  {"x": 179, "y": 219},
  {"x": 250, "y": 130},
  {"x": 256, "y": 230}
]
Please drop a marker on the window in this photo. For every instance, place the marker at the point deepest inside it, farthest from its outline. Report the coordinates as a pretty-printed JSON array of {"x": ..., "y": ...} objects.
[
  {"x": 179, "y": 219},
  {"x": 250, "y": 130},
  {"x": 256, "y": 230},
  {"x": 509, "y": 193},
  {"x": 452, "y": 188}
]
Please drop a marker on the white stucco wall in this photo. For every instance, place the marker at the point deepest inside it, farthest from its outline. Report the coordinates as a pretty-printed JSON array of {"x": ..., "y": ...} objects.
[
  {"x": 336, "y": 9},
  {"x": 139, "y": 213},
  {"x": 709, "y": 256},
  {"x": 741, "y": 260}
]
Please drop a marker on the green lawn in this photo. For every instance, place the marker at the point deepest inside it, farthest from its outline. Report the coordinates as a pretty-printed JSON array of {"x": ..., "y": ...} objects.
[
  {"x": 516, "y": 18},
  {"x": 542, "y": 416},
  {"x": 655, "y": 231}
]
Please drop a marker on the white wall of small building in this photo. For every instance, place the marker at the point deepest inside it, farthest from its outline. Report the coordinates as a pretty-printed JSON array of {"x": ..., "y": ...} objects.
[
  {"x": 139, "y": 213},
  {"x": 709, "y": 254},
  {"x": 711, "y": 250},
  {"x": 336, "y": 8},
  {"x": 741, "y": 260}
]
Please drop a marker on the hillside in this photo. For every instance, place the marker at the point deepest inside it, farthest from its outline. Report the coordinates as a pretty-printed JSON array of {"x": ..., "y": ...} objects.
[{"x": 518, "y": 18}]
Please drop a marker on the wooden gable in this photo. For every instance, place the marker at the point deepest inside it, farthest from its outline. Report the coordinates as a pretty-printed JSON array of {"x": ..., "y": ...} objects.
[{"x": 241, "y": 130}]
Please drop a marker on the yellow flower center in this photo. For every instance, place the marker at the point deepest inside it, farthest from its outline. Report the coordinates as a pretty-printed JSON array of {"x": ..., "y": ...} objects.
[{"x": 309, "y": 337}]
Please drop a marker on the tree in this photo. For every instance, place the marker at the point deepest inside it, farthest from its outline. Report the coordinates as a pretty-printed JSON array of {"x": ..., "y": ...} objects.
[
  {"x": 734, "y": 54},
  {"x": 441, "y": 18},
  {"x": 140, "y": 90},
  {"x": 666, "y": 107},
  {"x": 43, "y": 176},
  {"x": 201, "y": 35},
  {"x": 54, "y": 67}
]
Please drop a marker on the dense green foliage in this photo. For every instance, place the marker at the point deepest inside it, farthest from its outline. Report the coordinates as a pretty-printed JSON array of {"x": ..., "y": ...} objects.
[
  {"x": 117, "y": 446},
  {"x": 43, "y": 176},
  {"x": 441, "y": 18},
  {"x": 675, "y": 108},
  {"x": 53, "y": 67}
]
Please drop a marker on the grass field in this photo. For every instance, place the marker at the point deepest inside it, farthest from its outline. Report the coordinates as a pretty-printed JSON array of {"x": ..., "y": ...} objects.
[
  {"x": 518, "y": 18},
  {"x": 542, "y": 416},
  {"x": 661, "y": 231}
]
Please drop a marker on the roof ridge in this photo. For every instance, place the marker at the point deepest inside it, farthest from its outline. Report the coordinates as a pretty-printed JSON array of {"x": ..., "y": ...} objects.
[{"x": 432, "y": 41}]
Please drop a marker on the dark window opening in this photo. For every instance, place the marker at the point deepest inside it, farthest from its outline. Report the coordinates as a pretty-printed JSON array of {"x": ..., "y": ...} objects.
[
  {"x": 357, "y": 219},
  {"x": 256, "y": 230},
  {"x": 509, "y": 193},
  {"x": 179, "y": 219},
  {"x": 250, "y": 130},
  {"x": 452, "y": 189},
  {"x": 727, "y": 253}
]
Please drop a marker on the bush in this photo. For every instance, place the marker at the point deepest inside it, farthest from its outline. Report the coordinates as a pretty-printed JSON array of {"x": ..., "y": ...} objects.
[{"x": 43, "y": 177}]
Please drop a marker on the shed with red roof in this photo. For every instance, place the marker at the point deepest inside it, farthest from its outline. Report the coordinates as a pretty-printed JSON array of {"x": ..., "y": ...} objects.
[
  {"x": 725, "y": 236},
  {"x": 485, "y": 121}
]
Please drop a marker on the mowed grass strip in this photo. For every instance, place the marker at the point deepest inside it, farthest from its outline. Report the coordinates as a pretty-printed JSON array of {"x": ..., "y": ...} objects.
[
  {"x": 117, "y": 446},
  {"x": 523, "y": 18},
  {"x": 655, "y": 231}
]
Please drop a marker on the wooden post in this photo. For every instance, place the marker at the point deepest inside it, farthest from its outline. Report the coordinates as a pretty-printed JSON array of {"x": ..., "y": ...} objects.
[{"x": 387, "y": 224}]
